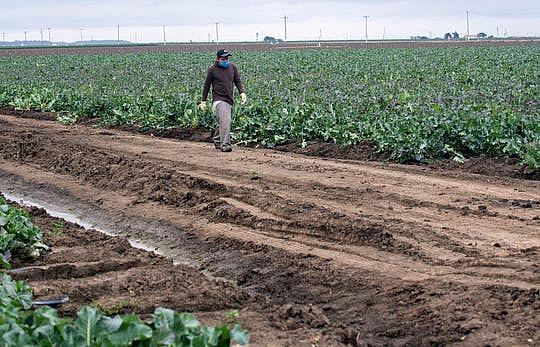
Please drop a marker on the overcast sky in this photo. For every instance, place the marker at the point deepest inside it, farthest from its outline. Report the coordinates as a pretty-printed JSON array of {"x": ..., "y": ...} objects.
[{"x": 242, "y": 19}]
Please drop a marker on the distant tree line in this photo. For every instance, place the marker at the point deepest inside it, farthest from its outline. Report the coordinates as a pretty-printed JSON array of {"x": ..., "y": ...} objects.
[
  {"x": 455, "y": 36},
  {"x": 272, "y": 40}
]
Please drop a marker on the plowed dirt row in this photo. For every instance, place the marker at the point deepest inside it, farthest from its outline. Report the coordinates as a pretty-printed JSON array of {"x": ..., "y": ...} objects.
[{"x": 383, "y": 253}]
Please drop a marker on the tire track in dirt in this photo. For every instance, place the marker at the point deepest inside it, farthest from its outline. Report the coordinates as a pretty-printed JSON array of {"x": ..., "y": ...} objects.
[{"x": 365, "y": 258}]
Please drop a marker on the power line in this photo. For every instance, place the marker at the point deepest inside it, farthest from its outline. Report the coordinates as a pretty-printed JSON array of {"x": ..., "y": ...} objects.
[
  {"x": 217, "y": 33},
  {"x": 285, "y": 25},
  {"x": 468, "y": 32},
  {"x": 366, "y": 18},
  {"x": 164, "y": 37}
]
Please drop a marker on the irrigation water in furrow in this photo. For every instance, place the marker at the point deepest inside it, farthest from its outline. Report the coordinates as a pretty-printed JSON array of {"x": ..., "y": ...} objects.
[{"x": 383, "y": 253}]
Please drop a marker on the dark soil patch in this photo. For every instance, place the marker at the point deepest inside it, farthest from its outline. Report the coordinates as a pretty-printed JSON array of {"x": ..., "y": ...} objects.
[
  {"x": 362, "y": 151},
  {"x": 11, "y": 111},
  {"x": 185, "y": 134},
  {"x": 502, "y": 167}
]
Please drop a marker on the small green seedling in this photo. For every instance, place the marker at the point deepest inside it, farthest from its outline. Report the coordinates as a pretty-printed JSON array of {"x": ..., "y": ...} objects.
[{"x": 58, "y": 228}]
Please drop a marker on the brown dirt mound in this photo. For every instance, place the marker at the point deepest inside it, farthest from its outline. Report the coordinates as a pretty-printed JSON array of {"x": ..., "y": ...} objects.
[
  {"x": 11, "y": 111},
  {"x": 362, "y": 151},
  {"x": 502, "y": 167},
  {"x": 193, "y": 134}
]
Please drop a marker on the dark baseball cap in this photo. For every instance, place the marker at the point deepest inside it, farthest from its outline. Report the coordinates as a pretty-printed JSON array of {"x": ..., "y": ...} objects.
[{"x": 223, "y": 53}]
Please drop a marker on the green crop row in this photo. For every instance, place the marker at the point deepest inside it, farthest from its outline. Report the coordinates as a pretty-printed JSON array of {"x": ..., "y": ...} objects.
[
  {"x": 18, "y": 235},
  {"x": 415, "y": 104},
  {"x": 20, "y": 325}
]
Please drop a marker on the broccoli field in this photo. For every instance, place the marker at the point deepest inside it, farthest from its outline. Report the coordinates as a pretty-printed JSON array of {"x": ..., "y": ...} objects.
[
  {"x": 287, "y": 238},
  {"x": 416, "y": 104}
]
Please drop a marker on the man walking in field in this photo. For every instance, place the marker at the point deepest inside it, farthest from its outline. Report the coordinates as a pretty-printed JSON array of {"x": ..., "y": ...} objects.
[{"x": 221, "y": 76}]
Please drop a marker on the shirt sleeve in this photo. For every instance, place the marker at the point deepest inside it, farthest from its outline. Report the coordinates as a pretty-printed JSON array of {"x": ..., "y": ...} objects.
[
  {"x": 207, "y": 83},
  {"x": 238, "y": 81}
]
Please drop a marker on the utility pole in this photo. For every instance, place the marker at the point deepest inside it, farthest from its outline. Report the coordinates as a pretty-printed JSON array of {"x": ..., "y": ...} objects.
[
  {"x": 497, "y": 31},
  {"x": 25, "y": 37},
  {"x": 81, "y": 36},
  {"x": 217, "y": 33},
  {"x": 164, "y": 37},
  {"x": 366, "y": 18},
  {"x": 135, "y": 37},
  {"x": 320, "y": 34},
  {"x": 3, "y": 37},
  {"x": 118, "y": 34},
  {"x": 49, "y": 30},
  {"x": 209, "y": 40},
  {"x": 285, "y": 24},
  {"x": 384, "y": 33},
  {"x": 256, "y": 37},
  {"x": 41, "y": 35},
  {"x": 468, "y": 32}
]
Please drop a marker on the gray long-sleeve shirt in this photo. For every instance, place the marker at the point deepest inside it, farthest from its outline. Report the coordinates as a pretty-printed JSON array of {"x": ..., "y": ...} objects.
[{"x": 222, "y": 83}]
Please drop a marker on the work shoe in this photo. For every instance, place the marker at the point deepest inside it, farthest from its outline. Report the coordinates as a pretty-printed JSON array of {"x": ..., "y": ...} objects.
[
  {"x": 226, "y": 148},
  {"x": 217, "y": 145}
]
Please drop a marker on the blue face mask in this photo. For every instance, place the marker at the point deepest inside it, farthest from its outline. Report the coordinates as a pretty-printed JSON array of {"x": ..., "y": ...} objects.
[{"x": 224, "y": 64}]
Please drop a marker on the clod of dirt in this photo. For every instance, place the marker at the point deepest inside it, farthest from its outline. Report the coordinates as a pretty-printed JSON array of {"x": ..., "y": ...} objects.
[{"x": 296, "y": 316}]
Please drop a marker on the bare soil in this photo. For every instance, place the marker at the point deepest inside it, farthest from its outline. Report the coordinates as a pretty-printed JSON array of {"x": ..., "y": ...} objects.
[{"x": 313, "y": 251}]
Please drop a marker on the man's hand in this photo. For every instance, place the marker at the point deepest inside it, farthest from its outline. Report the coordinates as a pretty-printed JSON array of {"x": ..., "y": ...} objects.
[
  {"x": 244, "y": 98},
  {"x": 202, "y": 106}
]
